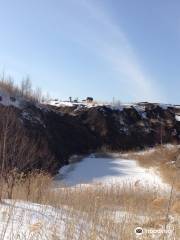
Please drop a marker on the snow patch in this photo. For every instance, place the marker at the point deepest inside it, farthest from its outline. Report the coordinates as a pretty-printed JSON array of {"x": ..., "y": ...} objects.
[
  {"x": 25, "y": 220},
  {"x": 177, "y": 117},
  {"x": 7, "y": 100},
  {"x": 108, "y": 171}
]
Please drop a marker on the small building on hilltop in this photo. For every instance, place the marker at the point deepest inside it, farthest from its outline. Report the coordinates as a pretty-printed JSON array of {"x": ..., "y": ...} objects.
[{"x": 89, "y": 99}]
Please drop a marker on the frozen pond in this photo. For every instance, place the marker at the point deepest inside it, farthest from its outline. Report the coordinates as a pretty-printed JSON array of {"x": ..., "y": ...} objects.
[{"x": 107, "y": 170}]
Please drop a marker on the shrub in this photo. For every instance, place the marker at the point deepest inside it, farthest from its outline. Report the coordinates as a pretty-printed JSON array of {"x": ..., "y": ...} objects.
[{"x": 24, "y": 90}]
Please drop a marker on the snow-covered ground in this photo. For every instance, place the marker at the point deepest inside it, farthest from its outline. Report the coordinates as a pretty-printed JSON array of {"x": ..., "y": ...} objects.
[
  {"x": 138, "y": 106},
  {"x": 59, "y": 103},
  {"x": 109, "y": 170},
  {"x": 29, "y": 221}
]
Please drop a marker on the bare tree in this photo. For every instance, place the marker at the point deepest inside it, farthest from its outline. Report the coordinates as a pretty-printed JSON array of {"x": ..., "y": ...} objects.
[
  {"x": 18, "y": 151},
  {"x": 46, "y": 98},
  {"x": 26, "y": 87},
  {"x": 38, "y": 94},
  {"x": 7, "y": 85},
  {"x": 24, "y": 90}
]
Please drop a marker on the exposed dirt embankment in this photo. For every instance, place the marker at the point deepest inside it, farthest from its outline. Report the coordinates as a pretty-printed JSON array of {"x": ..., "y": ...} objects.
[
  {"x": 54, "y": 134},
  {"x": 129, "y": 127}
]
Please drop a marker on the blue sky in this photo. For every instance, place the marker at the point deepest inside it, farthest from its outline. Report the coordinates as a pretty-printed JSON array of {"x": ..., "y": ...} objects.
[{"x": 126, "y": 49}]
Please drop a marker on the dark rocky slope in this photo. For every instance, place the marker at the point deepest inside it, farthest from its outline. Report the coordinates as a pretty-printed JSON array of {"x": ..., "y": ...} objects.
[
  {"x": 130, "y": 126},
  {"x": 61, "y": 132}
]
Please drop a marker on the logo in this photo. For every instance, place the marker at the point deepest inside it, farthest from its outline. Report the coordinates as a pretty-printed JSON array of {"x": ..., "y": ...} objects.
[{"x": 138, "y": 231}]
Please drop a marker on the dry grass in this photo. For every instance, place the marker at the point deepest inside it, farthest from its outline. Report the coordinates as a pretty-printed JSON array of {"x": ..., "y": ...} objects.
[
  {"x": 38, "y": 187},
  {"x": 157, "y": 156},
  {"x": 163, "y": 159},
  {"x": 113, "y": 211},
  {"x": 176, "y": 207}
]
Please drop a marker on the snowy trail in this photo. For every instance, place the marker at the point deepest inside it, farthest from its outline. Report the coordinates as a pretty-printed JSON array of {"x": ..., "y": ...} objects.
[{"x": 109, "y": 171}]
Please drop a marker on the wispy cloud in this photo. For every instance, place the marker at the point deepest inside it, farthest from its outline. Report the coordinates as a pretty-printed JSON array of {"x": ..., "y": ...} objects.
[{"x": 110, "y": 42}]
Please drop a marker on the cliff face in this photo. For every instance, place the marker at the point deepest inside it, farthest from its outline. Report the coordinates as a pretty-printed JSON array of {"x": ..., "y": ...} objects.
[
  {"x": 130, "y": 126},
  {"x": 59, "y": 132}
]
